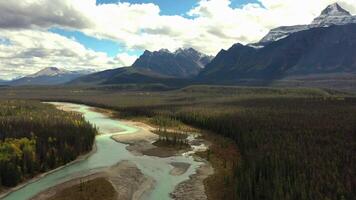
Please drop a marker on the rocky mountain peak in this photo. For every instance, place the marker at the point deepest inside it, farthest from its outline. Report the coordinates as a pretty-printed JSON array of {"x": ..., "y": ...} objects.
[
  {"x": 184, "y": 62},
  {"x": 49, "y": 71},
  {"x": 164, "y": 51},
  {"x": 335, "y": 10},
  {"x": 188, "y": 51},
  {"x": 333, "y": 14}
]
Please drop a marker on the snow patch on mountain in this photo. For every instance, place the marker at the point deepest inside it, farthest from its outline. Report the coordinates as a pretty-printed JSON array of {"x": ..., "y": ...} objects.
[{"x": 49, "y": 71}]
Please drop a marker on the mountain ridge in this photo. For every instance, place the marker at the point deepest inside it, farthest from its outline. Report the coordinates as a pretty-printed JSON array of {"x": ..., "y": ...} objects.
[
  {"x": 48, "y": 76},
  {"x": 333, "y": 14},
  {"x": 160, "y": 66},
  {"x": 318, "y": 50},
  {"x": 182, "y": 63}
]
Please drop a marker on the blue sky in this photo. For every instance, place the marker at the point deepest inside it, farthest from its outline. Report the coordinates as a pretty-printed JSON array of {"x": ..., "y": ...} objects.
[
  {"x": 112, "y": 48},
  {"x": 173, "y": 7}
]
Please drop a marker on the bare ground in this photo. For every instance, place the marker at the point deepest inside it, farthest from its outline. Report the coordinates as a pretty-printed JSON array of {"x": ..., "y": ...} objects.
[{"x": 127, "y": 180}]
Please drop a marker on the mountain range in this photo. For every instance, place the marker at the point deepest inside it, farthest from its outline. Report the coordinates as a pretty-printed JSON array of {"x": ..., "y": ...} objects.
[
  {"x": 314, "y": 51},
  {"x": 333, "y": 14},
  {"x": 3, "y": 82},
  {"x": 182, "y": 63},
  {"x": 48, "y": 76},
  {"x": 322, "y": 50},
  {"x": 317, "y": 50},
  {"x": 161, "y": 66}
]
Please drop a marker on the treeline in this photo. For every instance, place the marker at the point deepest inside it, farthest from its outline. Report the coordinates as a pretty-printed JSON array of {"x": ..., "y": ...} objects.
[
  {"x": 36, "y": 137},
  {"x": 291, "y": 148}
]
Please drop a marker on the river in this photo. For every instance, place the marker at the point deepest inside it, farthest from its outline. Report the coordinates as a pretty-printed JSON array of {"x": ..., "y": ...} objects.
[{"x": 109, "y": 153}]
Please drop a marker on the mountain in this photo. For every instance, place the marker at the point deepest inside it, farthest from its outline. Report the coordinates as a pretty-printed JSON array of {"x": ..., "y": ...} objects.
[
  {"x": 182, "y": 63},
  {"x": 49, "y": 76},
  {"x": 334, "y": 14},
  {"x": 322, "y": 50},
  {"x": 3, "y": 82},
  {"x": 127, "y": 75},
  {"x": 160, "y": 66}
]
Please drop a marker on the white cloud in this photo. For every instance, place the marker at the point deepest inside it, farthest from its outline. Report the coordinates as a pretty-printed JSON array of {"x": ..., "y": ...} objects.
[
  {"x": 125, "y": 59},
  {"x": 29, "y": 51},
  {"x": 212, "y": 25},
  {"x": 42, "y": 14}
]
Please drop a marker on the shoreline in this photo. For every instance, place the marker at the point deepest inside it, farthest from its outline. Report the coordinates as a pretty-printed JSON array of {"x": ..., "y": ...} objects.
[
  {"x": 138, "y": 143},
  {"x": 194, "y": 187},
  {"x": 34, "y": 179},
  {"x": 80, "y": 158},
  {"x": 142, "y": 140},
  {"x": 127, "y": 180}
]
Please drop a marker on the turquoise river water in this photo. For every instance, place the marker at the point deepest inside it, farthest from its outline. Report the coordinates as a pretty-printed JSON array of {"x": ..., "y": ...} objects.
[{"x": 109, "y": 153}]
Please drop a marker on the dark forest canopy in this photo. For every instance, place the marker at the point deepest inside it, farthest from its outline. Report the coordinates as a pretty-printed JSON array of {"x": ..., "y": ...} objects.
[{"x": 36, "y": 137}]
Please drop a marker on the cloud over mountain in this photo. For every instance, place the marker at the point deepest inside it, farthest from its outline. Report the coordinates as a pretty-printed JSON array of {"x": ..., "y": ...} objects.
[
  {"x": 31, "y": 50},
  {"x": 208, "y": 27}
]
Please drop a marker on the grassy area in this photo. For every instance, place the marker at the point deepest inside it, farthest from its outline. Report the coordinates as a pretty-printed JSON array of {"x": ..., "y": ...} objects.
[{"x": 292, "y": 143}]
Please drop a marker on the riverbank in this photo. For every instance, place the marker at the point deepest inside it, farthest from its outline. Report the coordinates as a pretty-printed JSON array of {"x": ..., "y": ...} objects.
[
  {"x": 134, "y": 135},
  {"x": 141, "y": 143},
  {"x": 80, "y": 158},
  {"x": 126, "y": 179},
  {"x": 218, "y": 166},
  {"x": 194, "y": 188}
]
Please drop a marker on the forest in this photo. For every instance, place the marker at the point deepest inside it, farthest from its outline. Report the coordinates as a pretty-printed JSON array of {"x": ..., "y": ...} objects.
[
  {"x": 293, "y": 143},
  {"x": 36, "y": 137}
]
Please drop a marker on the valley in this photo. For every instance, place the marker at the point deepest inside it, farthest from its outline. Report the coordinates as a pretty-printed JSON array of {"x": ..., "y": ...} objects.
[
  {"x": 148, "y": 174},
  {"x": 269, "y": 127},
  {"x": 139, "y": 100}
]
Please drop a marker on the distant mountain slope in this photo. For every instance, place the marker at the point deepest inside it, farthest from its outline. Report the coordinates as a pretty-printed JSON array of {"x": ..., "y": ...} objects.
[
  {"x": 153, "y": 67},
  {"x": 48, "y": 76},
  {"x": 126, "y": 75},
  {"x": 334, "y": 14},
  {"x": 3, "y": 82},
  {"x": 314, "y": 51},
  {"x": 180, "y": 64}
]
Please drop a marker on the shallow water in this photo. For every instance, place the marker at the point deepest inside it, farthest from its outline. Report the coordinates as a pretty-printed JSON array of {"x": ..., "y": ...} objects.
[{"x": 109, "y": 153}]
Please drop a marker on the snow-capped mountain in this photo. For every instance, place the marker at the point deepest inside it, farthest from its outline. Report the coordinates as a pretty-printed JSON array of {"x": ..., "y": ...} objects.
[
  {"x": 334, "y": 14},
  {"x": 49, "y": 71},
  {"x": 49, "y": 76},
  {"x": 317, "y": 51}
]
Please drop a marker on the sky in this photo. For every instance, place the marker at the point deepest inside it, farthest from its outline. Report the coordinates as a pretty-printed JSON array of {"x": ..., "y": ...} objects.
[{"x": 105, "y": 34}]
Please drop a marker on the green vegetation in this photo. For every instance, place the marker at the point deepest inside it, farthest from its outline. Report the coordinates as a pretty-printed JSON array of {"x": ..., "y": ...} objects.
[
  {"x": 293, "y": 143},
  {"x": 290, "y": 148},
  {"x": 36, "y": 137},
  {"x": 171, "y": 138}
]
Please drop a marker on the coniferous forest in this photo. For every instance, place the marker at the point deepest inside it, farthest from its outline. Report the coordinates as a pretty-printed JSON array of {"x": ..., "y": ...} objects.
[
  {"x": 36, "y": 137},
  {"x": 294, "y": 144}
]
